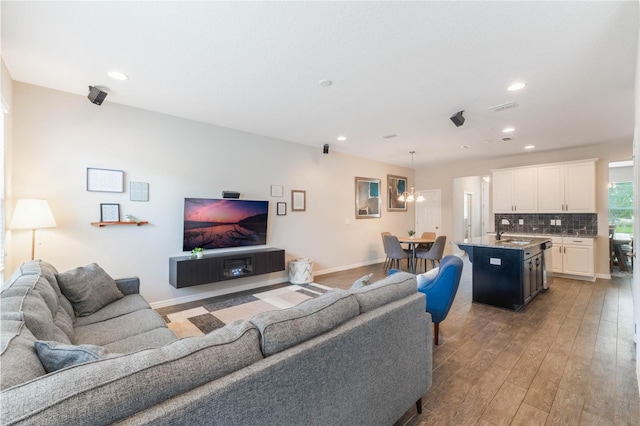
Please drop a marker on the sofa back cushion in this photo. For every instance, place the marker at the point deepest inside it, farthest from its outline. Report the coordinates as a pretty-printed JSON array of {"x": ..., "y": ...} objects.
[
  {"x": 130, "y": 383},
  {"x": 23, "y": 303},
  {"x": 19, "y": 361},
  {"x": 393, "y": 287},
  {"x": 48, "y": 271},
  {"x": 288, "y": 327}
]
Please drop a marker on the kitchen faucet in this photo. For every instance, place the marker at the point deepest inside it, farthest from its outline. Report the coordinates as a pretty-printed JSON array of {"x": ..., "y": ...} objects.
[{"x": 498, "y": 227}]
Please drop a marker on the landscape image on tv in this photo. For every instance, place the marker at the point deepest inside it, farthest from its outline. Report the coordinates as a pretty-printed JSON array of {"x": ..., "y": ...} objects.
[{"x": 215, "y": 223}]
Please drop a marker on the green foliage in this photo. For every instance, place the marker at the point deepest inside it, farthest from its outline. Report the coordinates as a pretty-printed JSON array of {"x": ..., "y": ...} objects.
[{"x": 621, "y": 207}]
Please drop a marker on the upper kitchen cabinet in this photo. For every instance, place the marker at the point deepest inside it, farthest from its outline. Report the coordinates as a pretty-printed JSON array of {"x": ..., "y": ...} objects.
[
  {"x": 515, "y": 190},
  {"x": 567, "y": 188}
]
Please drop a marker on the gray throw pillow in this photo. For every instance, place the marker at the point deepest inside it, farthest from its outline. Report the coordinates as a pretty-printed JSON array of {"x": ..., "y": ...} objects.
[
  {"x": 361, "y": 282},
  {"x": 88, "y": 288},
  {"x": 55, "y": 356}
]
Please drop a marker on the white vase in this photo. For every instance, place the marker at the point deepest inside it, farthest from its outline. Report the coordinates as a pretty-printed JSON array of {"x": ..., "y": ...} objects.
[{"x": 199, "y": 255}]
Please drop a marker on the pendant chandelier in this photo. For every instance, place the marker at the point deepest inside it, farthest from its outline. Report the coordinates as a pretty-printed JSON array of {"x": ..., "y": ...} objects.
[{"x": 412, "y": 195}]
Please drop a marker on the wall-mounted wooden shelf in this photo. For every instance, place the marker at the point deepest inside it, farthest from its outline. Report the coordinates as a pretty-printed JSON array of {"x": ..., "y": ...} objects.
[{"x": 101, "y": 224}]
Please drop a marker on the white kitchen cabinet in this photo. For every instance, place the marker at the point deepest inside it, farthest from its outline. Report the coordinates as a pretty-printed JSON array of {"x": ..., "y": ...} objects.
[
  {"x": 573, "y": 256},
  {"x": 515, "y": 190},
  {"x": 567, "y": 188}
]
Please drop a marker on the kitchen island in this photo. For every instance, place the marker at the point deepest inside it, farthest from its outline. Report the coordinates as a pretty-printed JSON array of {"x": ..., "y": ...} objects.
[{"x": 507, "y": 273}]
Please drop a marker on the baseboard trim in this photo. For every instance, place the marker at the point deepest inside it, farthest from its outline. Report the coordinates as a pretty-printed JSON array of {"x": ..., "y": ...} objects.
[
  {"x": 345, "y": 267},
  {"x": 604, "y": 276}
]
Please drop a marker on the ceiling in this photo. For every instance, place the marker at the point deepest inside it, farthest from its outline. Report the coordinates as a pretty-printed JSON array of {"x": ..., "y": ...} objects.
[{"x": 398, "y": 68}]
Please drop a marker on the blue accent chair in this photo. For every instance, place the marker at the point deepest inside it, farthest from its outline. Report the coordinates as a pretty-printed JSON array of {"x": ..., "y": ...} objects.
[{"x": 441, "y": 290}]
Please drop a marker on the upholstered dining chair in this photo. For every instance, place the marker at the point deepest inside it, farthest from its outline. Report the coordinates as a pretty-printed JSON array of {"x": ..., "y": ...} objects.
[
  {"x": 434, "y": 254},
  {"x": 394, "y": 251},
  {"x": 424, "y": 246},
  {"x": 440, "y": 289},
  {"x": 387, "y": 259}
]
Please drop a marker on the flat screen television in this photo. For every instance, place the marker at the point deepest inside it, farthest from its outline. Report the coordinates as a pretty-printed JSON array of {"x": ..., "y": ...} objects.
[{"x": 223, "y": 223}]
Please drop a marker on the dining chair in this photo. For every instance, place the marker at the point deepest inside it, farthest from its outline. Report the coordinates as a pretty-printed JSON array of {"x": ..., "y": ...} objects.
[
  {"x": 434, "y": 254},
  {"x": 426, "y": 246},
  {"x": 395, "y": 252},
  {"x": 387, "y": 259},
  {"x": 441, "y": 290}
]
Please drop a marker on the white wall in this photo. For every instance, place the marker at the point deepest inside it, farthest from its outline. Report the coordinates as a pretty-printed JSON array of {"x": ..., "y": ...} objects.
[
  {"x": 58, "y": 135},
  {"x": 442, "y": 177}
]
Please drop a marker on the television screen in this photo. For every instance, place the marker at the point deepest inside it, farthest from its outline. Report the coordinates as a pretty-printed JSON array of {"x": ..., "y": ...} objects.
[{"x": 214, "y": 223}]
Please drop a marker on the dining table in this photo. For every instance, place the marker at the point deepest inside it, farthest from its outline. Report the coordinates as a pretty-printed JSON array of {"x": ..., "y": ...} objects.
[{"x": 413, "y": 242}]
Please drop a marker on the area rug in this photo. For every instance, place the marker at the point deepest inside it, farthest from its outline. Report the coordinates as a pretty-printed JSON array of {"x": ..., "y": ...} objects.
[{"x": 210, "y": 316}]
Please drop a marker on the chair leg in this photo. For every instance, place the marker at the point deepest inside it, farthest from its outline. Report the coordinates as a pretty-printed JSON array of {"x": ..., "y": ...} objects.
[
  {"x": 436, "y": 331},
  {"x": 419, "y": 406}
]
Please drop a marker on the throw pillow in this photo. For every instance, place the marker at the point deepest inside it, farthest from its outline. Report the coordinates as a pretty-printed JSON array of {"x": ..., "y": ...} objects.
[
  {"x": 55, "y": 356},
  {"x": 361, "y": 282},
  {"x": 88, "y": 288},
  {"x": 427, "y": 278}
]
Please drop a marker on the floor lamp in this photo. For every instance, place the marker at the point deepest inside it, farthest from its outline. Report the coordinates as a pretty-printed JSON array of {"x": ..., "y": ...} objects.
[{"x": 32, "y": 214}]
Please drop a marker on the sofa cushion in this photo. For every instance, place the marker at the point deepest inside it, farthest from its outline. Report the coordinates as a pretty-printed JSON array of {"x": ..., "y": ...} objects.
[
  {"x": 118, "y": 328},
  {"x": 288, "y": 327},
  {"x": 362, "y": 281},
  {"x": 40, "y": 267},
  {"x": 148, "y": 340},
  {"x": 23, "y": 303},
  {"x": 56, "y": 356},
  {"x": 390, "y": 288},
  {"x": 127, "y": 384},
  {"x": 64, "y": 322},
  {"x": 89, "y": 288},
  {"x": 126, "y": 305},
  {"x": 19, "y": 361}
]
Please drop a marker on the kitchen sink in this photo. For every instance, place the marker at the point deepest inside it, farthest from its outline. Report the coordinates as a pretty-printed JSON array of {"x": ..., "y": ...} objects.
[{"x": 513, "y": 241}]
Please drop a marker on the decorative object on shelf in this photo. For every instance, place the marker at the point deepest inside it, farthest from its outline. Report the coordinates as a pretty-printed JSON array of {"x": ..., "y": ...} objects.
[
  {"x": 105, "y": 180},
  {"x": 411, "y": 233},
  {"x": 412, "y": 195},
  {"x": 138, "y": 191},
  {"x": 368, "y": 204},
  {"x": 130, "y": 218},
  {"x": 298, "y": 200},
  {"x": 198, "y": 252},
  {"x": 109, "y": 212},
  {"x": 32, "y": 214},
  {"x": 282, "y": 209},
  {"x": 396, "y": 186},
  {"x": 277, "y": 190}
]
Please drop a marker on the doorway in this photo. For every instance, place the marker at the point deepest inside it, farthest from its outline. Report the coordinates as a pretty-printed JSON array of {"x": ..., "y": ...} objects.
[
  {"x": 621, "y": 211},
  {"x": 467, "y": 214}
]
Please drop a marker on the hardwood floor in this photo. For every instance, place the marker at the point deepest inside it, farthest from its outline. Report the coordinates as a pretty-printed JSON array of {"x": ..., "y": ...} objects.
[{"x": 567, "y": 359}]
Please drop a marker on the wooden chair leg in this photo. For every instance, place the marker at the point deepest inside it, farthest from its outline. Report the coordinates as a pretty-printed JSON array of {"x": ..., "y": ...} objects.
[
  {"x": 419, "y": 406},
  {"x": 436, "y": 331}
]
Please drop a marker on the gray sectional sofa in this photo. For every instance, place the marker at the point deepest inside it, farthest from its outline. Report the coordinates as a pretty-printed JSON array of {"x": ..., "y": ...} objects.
[{"x": 358, "y": 357}]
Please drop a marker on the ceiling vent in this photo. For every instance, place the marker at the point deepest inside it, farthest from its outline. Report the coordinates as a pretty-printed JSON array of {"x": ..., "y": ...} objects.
[
  {"x": 502, "y": 107},
  {"x": 389, "y": 136}
]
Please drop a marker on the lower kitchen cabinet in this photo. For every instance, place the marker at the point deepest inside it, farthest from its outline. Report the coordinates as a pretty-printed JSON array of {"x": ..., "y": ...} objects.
[{"x": 574, "y": 256}]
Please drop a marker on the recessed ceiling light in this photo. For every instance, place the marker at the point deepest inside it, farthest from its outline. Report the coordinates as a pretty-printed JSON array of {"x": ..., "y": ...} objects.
[
  {"x": 464, "y": 146},
  {"x": 342, "y": 138},
  {"x": 508, "y": 130},
  {"x": 325, "y": 83},
  {"x": 117, "y": 75},
  {"x": 529, "y": 147},
  {"x": 516, "y": 86}
]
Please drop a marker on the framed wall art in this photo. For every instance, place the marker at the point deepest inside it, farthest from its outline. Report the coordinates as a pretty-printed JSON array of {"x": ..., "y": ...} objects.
[
  {"x": 109, "y": 212},
  {"x": 139, "y": 191},
  {"x": 277, "y": 190},
  {"x": 105, "y": 180},
  {"x": 396, "y": 185},
  {"x": 368, "y": 204},
  {"x": 281, "y": 209},
  {"x": 298, "y": 200}
]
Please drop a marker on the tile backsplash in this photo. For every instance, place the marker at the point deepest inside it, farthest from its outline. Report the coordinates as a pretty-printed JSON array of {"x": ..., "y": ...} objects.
[{"x": 556, "y": 224}]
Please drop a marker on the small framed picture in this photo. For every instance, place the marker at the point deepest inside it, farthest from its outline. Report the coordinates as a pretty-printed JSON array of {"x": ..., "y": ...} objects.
[
  {"x": 139, "y": 191},
  {"x": 109, "y": 212},
  {"x": 105, "y": 180},
  {"x": 277, "y": 190},
  {"x": 282, "y": 209},
  {"x": 298, "y": 200}
]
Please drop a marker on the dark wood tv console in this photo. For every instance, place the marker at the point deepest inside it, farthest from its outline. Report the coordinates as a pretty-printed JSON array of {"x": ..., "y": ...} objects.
[{"x": 187, "y": 271}]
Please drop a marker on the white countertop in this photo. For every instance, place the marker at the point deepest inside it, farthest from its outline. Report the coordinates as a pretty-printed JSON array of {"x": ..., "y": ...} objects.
[{"x": 507, "y": 242}]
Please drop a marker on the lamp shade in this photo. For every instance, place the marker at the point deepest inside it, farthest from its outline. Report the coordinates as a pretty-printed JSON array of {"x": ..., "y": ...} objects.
[{"x": 32, "y": 214}]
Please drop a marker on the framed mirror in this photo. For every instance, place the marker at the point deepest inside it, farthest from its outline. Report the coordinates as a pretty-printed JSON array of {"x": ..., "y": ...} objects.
[{"x": 368, "y": 204}]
